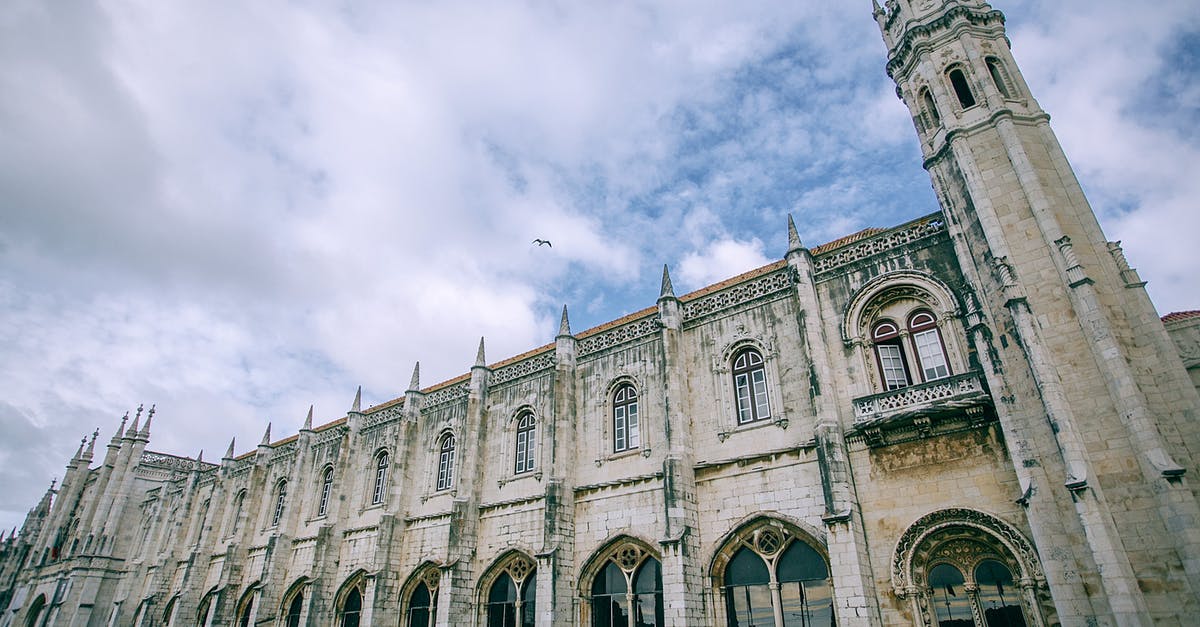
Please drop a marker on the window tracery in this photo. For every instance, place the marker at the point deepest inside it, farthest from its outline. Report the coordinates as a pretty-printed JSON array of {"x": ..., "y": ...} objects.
[
  {"x": 626, "y": 590},
  {"x": 381, "y": 471},
  {"x": 420, "y": 608},
  {"x": 627, "y": 433},
  {"x": 526, "y": 445},
  {"x": 512, "y": 593}
]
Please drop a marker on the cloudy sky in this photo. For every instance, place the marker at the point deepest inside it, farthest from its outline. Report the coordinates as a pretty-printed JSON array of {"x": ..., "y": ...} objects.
[{"x": 235, "y": 210}]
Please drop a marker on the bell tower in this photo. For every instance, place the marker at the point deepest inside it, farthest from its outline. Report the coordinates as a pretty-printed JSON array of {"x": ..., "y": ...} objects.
[{"x": 1097, "y": 411}]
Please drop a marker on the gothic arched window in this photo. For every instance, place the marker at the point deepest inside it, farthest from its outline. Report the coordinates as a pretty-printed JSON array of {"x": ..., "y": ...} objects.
[
  {"x": 526, "y": 441},
  {"x": 890, "y": 353},
  {"x": 750, "y": 384},
  {"x": 422, "y": 603},
  {"x": 245, "y": 609},
  {"x": 445, "y": 477},
  {"x": 628, "y": 568},
  {"x": 295, "y": 607},
  {"x": 351, "y": 609},
  {"x": 512, "y": 597},
  {"x": 326, "y": 488},
  {"x": 280, "y": 497},
  {"x": 962, "y": 89},
  {"x": 381, "y": 469},
  {"x": 996, "y": 70},
  {"x": 239, "y": 502},
  {"x": 169, "y": 613},
  {"x": 927, "y": 340},
  {"x": 931, "y": 111},
  {"x": 950, "y": 603},
  {"x": 627, "y": 433},
  {"x": 775, "y": 578}
]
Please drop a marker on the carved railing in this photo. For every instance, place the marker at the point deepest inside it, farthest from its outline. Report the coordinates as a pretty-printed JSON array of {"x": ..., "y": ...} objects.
[
  {"x": 738, "y": 294},
  {"x": 522, "y": 368},
  {"x": 878, "y": 243},
  {"x": 447, "y": 394},
  {"x": 954, "y": 392},
  {"x": 619, "y": 335}
]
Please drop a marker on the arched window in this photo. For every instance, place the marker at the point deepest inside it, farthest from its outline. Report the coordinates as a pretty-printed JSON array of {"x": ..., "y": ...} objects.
[
  {"x": 774, "y": 578},
  {"x": 628, "y": 568},
  {"x": 381, "y": 468},
  {"x": 526, "y": 441},
  {"x": 923, "y": 329},
  {"x": 168, "y": 619},
  {"x": 931, "y": 110},
  {"x": 999, "y": 598},
  {"x": 951, "y": 605},
  {"x": 422, "y": 603},
  {"x": 445, "y": 478},
  {"x": 207, "y": 605},
  {"x": 235, "y": 519},
  {"x": 351, "y": 609},
  {"x": 246, "y": 609},
  {"x": 295, "y": 607},
  {"x": 627, "y": 433},
  {"x": 35, "y": 611},
  {"x": 890, "y": 353},
  {"x": 962, "y": 89},
  {"x": 750, "y": 382},
  {"x": 998, "y": 76},
  {"x": 280, "y": 497},
  {"x": 326, "y": 488},
  {"x": 512, "y": 597}
]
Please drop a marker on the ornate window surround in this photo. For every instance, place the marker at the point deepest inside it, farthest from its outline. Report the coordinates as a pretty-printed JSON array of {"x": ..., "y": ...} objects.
[
  {"x": 356, "y": 581},
  {"x": 722, "y": 369},
  {"x": 324, "y": 478},
  {"x": 514, "y": 561},
  {"x": 604, "y": 434},
  {"x": 628, "y": 552},
  {"x": 377, "y": 495},
  {"x": 746, "y": 533},
  {"x": 436, "y": 486},
  {"x": 511, "y": 426},
  {"x": 428, "y": 573},
  {"x": 302, "y": 586},
  {"x": 898, "y": 295},
  {"x": 916, "y": 553}
]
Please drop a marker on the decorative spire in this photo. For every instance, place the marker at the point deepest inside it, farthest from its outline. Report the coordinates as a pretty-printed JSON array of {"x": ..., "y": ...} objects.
[
  {"x": 266, "y": 436},
  {"x": 79, "y": 452},
  {"x": 668, "y": 291},
  {"x": 356, "y": 407},
  {"x": 480, "y": 360},
  {"x": 200, "y": 457},
  {"x": 53, "y": 482},
  {"x": 794, "y": 242},
  {"x": 149, "y": 419},
  {"x": 229, "y": 451},
  {"x": 564, "y": 325},
  {"x": 308, "y": 420},
  {"x": 120, "y": 431},
  {"x": 133, "y": 428},
  {"x": 414, "y": 384},
  {"x": 92, "y": 445}
]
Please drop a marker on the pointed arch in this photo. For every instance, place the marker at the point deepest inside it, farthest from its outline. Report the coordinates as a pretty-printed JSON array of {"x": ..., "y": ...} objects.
[
  {"x": 168, "y": 613},
  {"x": 623, "y": 564},
  {"x": 291, "y": 608},
  {"x": 246, "y": 606},
  {"x": 507, "y": 591},
  {"x": 348, "y": 602},
  {"x": 209, "y": 603},
  {"x": 35, "y": 611},
  {"x": 416, "y": 611}
]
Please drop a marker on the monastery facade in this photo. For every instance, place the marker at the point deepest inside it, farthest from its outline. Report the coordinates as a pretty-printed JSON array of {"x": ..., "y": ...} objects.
[{"x": 975, "y": 418}]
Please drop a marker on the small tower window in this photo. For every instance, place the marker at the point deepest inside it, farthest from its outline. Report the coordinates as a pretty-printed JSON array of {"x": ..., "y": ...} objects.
[
  {"x": 381, "y": 468},
  {"x": 750, "y": 381},
  {"x": 280, "y": 497},
  {"x": 445, "y": 479},
  {"x": 998, "y": 76},
  {"x": 928, "y": 342},
  {"x": 962, "y": 89},
  {"x": 891, "y": 355},
  {"x": 626, "y": 430},
  {"x": 933, "y": 119},
  {"x": 526, "y": 441},
  {"x": 326, "y": 488}
]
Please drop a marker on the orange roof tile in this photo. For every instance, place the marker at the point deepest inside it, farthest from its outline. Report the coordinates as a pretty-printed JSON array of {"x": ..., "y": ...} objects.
[{"x": 1181, "y": 315}]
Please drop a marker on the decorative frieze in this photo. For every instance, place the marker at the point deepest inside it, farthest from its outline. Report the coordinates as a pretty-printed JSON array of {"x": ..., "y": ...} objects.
[
  {"x": 621, "y": 334},
  {"x": 172, "y": 462},
  {"x": 877, "y": 244},
  {"x": 963, "y": 387},
  {"x": 738, "y": 294},
  {"x": 383, "y": 416},
  {"x": 447, "y": 394},
  {"x": 523, "y": 368}
]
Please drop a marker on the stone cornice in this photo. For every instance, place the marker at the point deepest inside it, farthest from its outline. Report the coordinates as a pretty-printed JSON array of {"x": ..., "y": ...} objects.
[{"x": 907, "y": 46}]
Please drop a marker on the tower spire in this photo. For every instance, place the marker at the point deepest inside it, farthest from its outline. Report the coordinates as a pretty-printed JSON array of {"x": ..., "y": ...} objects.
[
  {"x": 668, "y": 290},
  {"x": 133, "y": 428},
  {"x": 308, "y": 420},
  {"x": 229, "y": 451},
  {"x": 149, "y": 419},
  {"x": 266, "y": 436},
  {"x": 356, "y": 406},
  {"x": 564, "y": 325},
  {"x": 794, "y": 242},
  {"x": 414, "y": 383},
  {"x": 480, "y": 360}
]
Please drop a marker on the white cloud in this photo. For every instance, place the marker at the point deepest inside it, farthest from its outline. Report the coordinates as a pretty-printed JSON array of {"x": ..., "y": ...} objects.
[{"x": 720, "y": 260}]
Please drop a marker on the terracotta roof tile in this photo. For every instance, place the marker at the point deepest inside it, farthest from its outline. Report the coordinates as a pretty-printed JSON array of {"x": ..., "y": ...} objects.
[
  {"x": 1181, "y": 315},
  {"x": 849, "y": 239}
]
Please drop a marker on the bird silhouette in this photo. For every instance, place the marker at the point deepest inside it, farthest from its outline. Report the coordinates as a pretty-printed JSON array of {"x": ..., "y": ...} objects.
[{"x": 543, "y": 242}]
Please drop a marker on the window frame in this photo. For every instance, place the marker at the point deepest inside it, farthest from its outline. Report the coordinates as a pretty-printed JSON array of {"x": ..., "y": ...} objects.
[
  {"x": 382, "y": 465},
  {"x": 525, "y": 446},
  {"x": 921, "y": 328},
  {"x": 447, "y": 452},
  {"x": 325, "y": 492},
  {"x": 755, "y": 389},
  {"x": 961, "y": 88},
  {"x": 625, "y": 401},
  {"x": 890, "y": 339},
  {"x": 280, "y": 499},
  {"x": 1000, "y": 77}
]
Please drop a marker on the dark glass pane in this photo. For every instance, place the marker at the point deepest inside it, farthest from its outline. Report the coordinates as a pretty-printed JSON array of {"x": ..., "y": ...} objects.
[
  {"x": 420, "y": 596},
  {"x": 529, "y": 600},
  {"x": 807, "y": 604},
  {"x": 610, "y": 581},
  {"x": 801, "y": 562},
  {"x": 502, "y": 615},
  {"x": 949, "y": 599},
  {"x": 293, "y": 613},
  {"x": 746, "y": 568},
  {"x": 503, "y": 590},
  {"x": 648, "y": 609},
  {"x": 353, "y": 601},
  {"x": 961, "y": 89},
  {"x": 998, "y": 595},
  {"x": 418, "y": 617},
  {"x": 648, "y": 577},
  {"x": 749, "y": 606}
]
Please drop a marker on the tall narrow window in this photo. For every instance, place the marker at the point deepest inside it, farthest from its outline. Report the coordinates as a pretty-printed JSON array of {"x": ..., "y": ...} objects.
[
  {"x": 612, "y": 606},
  {"x": 292, "y": 618},
  {"x": 381, "y": 468},
  {"x": 326, "y": 488},
  {"x": 235, "y": 519},
  {"x": 928, "y": 342},
  {"x": 962, "y": 89},
  {"x": 750, "y": 381},
  {"x": 998, "y": 597},
  {"x": 891, "y": 355},
  {"x": 280, "y": 496},
  {"x": 246, "y": 610},
  {"x": 998, "y": 77},
  {"x": 422, "y": 606},
  {"x": 526, "y": 441},
  {"x": 351, "y": 609},
  {"x": 445, "y": 478},
  {"x": 626, "y": 431},
  {"x": 931, "y": 110}
]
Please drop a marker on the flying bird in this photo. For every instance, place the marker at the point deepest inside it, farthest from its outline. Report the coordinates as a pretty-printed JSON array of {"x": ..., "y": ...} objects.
[{"x": 543, "y": 242}]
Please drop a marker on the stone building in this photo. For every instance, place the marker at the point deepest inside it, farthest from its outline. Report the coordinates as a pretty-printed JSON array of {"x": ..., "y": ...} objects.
[{"x": 974, "y": 418}]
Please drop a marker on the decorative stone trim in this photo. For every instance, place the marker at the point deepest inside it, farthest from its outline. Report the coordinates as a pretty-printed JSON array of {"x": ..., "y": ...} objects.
[
  {"x": 523, "y": 368},
  {"x": 487, "y": 507},
  {"x": 754, "y": 289},
  {"x": 941, "y": 393},
  {"x": 331, "y": 434},
  {"x": 172, "y": 462},
  {"x": 625, "y": 333},
  {"x": 384, "y": 416},
  {"x": 447, "y": 394},
  {"x": 904, "y": 52},
  {"x": 880, "y": 243},
  {"x": 627, "y": 481}
]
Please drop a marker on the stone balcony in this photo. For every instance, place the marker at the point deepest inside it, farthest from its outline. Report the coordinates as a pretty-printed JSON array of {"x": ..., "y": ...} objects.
[{"x": 950, "y": 404}]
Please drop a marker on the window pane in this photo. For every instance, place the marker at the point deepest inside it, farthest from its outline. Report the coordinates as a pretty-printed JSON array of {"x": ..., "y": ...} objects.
[
  {"x": 893, "y": 366},
  {"x": 998, "y": 596},
  {"x": 619, "y": 442},
  {"x": 746, "y": 568},
  {"x": 635, "y": 435},
  {"x": 929, "y": 348},
  {"x": 745, "y": 414},
  {"x": 807, "y": 604},
  {"x": 760, "y": 394},
  {"x": 800, "y": 562},
  {"x": 948, "y": 597},
  {"x": 750, "y": 606}
]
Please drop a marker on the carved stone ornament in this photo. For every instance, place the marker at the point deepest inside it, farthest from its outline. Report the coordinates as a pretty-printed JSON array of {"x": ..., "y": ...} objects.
[
  {"x": 737, "y": 294},
  {"x": 431, "y": 579},
  {"x": 519, "y": 568},
  {"x": 619, "y": 335},
  {"x": 983, "y": 529}
]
